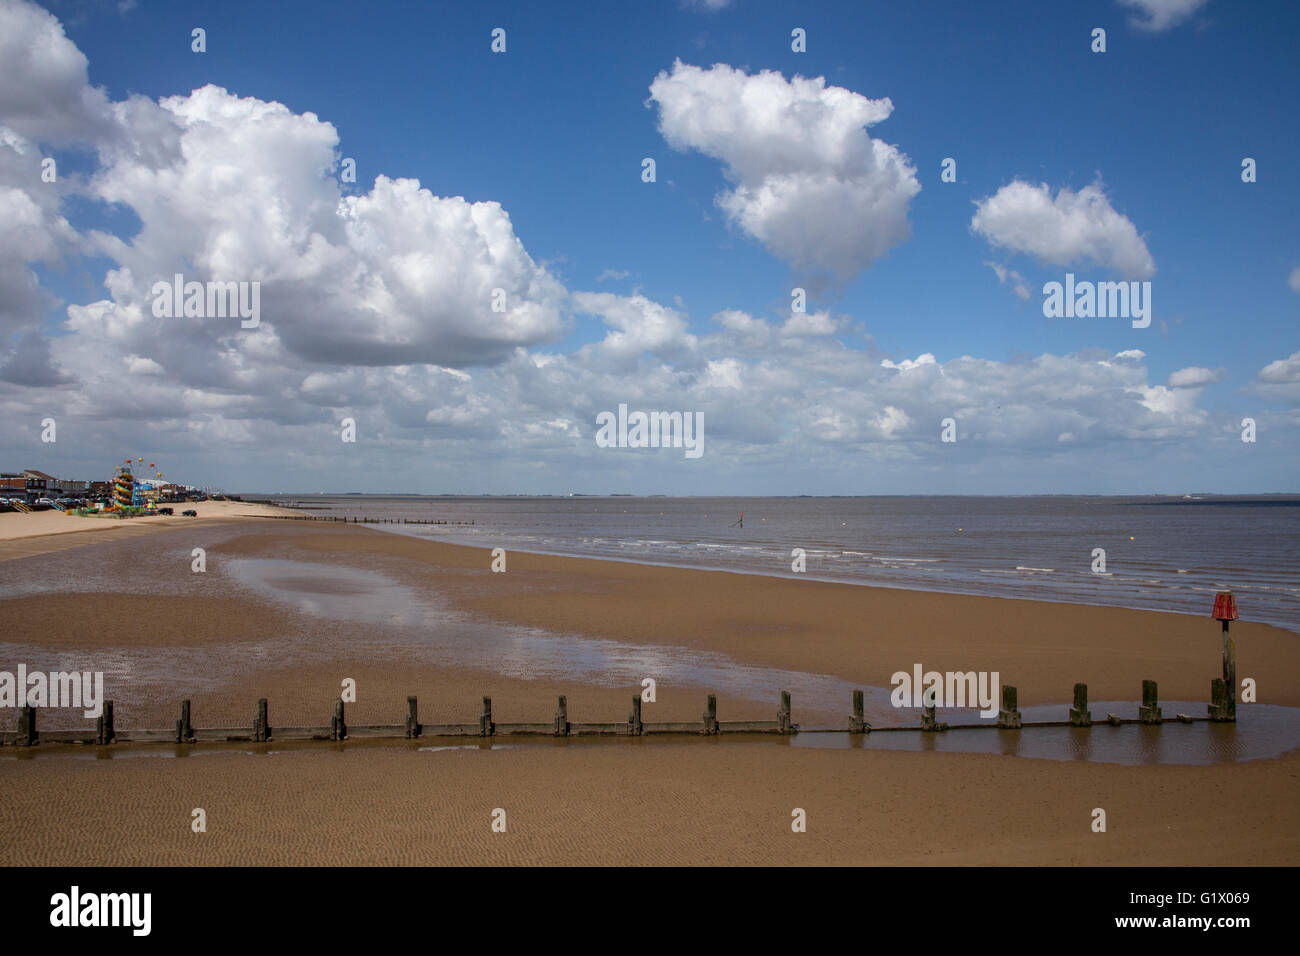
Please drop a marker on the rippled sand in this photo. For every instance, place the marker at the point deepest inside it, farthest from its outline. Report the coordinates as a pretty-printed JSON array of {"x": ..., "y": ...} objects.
[{"x": 646, "y": 802}]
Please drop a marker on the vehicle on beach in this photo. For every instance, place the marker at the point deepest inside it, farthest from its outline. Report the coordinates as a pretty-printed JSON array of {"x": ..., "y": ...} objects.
[
  {"x": 166, "y": 511},
  {"x": 189, "y": 513}
]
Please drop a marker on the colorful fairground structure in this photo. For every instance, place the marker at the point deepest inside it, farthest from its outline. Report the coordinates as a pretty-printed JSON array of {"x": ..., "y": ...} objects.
[{"x": 134, "y": 489}]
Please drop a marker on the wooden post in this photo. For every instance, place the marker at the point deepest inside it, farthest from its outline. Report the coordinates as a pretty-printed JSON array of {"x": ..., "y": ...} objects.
[
  {"x": 184, "y": 732},
  {"x": 485, "y": 726},
  {"x": 261, "y": 728},
  {"x": 1149, "y": 712},
  {"x": 857, "y": 725},
  {"x": 634, "y": 726},
  {"x": 1229, "y": 675},
  {"x": 927, "y": 717},
  {"x": 711, "y": 716},
  {"x": 104, "y": 725},
  {"x": 1009, "y": 716},
  {"x": 1218, "y": 709},
  {"x": 27, "y": 735},
  {"x": 1080, "y": 716},
  {"x": 412, "y": 718},
  {"x": 562, "y": 717},
  {"x": 338, "y": 729},
  {"x": 783, "y": 715}
]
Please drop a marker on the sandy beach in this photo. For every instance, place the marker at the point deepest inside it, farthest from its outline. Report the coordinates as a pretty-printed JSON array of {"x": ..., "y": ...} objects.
[
  {"x": 172, "y": 633},
  {"x": 23, "y": 534}
]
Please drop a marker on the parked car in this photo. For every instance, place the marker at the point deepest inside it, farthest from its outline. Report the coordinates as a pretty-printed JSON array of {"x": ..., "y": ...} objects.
[
  {"x": 166, "y": 511},
  {"x": 189, "y": 513}
]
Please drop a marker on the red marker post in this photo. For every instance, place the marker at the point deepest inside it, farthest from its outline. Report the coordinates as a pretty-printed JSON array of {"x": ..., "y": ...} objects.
[{"x": 1224, "y": 693}]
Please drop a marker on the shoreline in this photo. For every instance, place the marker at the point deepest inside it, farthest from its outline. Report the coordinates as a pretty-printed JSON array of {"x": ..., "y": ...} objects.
[{"x": 806, "y": 577}]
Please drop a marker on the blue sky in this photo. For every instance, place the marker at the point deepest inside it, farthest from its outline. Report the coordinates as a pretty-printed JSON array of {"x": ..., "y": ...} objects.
[{"x": 554, "y": 130}]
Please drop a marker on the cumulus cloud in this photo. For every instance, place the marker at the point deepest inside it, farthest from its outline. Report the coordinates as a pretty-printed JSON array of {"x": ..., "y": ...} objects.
[
  {"x": 637, "y": 325},
  {"x": 1158, "y": 15},
  {"x": 44, "y": 93},
  {"x": 1279, "y": 380},
  {"x": 1073, "y": 227},
  {"x": 810, "y": 184},
  {"x": 1195, "y": 376}
]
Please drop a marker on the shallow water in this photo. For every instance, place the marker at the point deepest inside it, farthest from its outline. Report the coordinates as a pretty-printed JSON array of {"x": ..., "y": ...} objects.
[{"x": 1162, "y": 553}]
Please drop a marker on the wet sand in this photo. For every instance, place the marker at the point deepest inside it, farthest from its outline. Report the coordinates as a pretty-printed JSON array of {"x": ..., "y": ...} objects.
[
  {"x": 632, "y": 801},
  {"x": 640, "y": 803}
]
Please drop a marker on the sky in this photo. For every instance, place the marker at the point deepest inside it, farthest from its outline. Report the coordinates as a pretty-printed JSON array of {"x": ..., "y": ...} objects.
[{"x": 826, "y": 230}]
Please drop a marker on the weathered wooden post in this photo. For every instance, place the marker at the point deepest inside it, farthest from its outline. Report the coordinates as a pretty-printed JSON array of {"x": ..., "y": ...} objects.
[
  {"x": 634, "y": 726},
  {"x": 1149, "y": 712},
  {"x": 711, "y": 716},
  {"x": 261, "y": 728},
  {"x": 27, "y": 735},
  {"x": 1009, "y": 716},
  {"x": 412, "y": 718},
  {"x": 857, "y": 725},
  {"x": 929, "y": 723},
  {"x": 1218, "y": 709},
  {"x": 485, "y": 726},
  {"x": 338, "y": 729},
  {"x": 1225, "y": 611},
  {"x": 562, "y": 717},
  {"x": 104, "y": 725},
  {"x": 184, "y": 732},
  {"x": 783, "y": 715},
  {"x": 1080, "y": 716}
]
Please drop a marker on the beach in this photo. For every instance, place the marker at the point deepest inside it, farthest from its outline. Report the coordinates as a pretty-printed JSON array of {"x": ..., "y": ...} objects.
[{"x": 288, "y": 610}]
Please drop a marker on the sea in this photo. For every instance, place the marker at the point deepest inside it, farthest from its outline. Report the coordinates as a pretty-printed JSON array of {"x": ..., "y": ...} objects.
[{"x": 1161, "y": 553}]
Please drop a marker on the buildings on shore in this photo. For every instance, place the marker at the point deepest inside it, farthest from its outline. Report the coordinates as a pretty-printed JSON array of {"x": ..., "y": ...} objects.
[{"x": 31, "y": 485}]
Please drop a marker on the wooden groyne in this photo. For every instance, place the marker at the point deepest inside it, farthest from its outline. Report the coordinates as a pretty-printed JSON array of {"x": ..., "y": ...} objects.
[
  {"x": 356, "y": 520},
  {"x": 261, "y": 730}
]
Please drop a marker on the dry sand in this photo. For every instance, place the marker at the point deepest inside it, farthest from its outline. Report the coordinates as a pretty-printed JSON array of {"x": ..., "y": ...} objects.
[
  {"x": 23, "y": 534},
  {"x": 644, "y": 801}
]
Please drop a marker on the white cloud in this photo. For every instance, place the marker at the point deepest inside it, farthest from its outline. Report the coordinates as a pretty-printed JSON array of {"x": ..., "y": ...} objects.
[
  {"x": 639, "y": 325},
  {"x": 803, "y": 324},
  {"x": 1018, "y": 286},
  {"x": 1282, "y": 371},
  {"x": 1293, "y": 280},
  {"x": 1158, "y": 15},
  {"x": 1195, "y": 376},
  {"x": 810, "y": 184},
  {"x": 906, "y": 365},
  {"x": 44, "y": 93},
  {"x": 612, "y": 274},
  {"x": 1075, "y": 227},
  {"x": 1279, "y": 380},
  {"x": 395, "y": 274}
]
